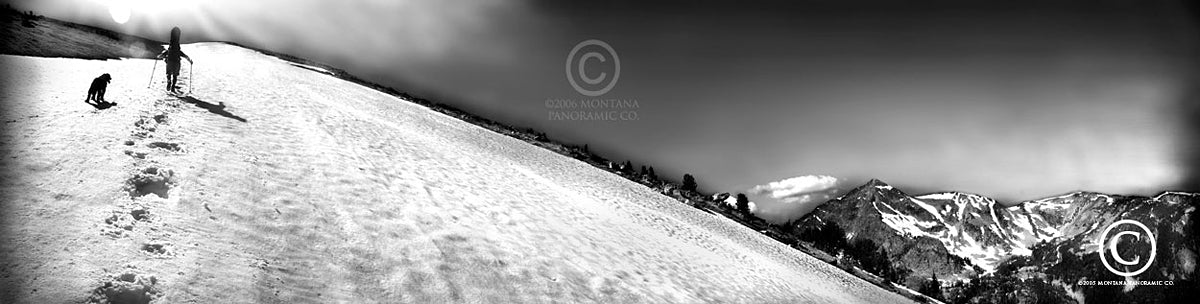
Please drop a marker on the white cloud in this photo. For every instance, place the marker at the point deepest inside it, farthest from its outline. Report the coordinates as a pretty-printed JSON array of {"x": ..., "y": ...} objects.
[
  {"x": 732, "y": 202},
  {"x": 789, "y": 199}
]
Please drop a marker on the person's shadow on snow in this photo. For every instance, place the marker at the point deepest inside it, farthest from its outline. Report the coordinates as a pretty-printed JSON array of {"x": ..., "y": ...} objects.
[
  {"x": 100, "y": 105},
  {"x": 218, "y": 109}
]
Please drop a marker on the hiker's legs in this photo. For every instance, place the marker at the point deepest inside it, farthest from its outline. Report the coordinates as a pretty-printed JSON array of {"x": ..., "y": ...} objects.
[{"x": 172, "y": 75}]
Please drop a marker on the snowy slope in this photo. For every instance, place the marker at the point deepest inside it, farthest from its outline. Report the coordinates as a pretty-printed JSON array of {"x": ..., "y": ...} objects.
[{"x": 275, "y": 183}]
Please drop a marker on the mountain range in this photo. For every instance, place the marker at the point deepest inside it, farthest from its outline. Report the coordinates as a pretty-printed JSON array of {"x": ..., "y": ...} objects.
[{"x": 958, "y": 237}]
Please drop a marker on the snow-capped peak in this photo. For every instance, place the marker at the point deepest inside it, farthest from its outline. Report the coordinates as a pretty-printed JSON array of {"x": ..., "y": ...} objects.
[{"x": 968, "y": 225}]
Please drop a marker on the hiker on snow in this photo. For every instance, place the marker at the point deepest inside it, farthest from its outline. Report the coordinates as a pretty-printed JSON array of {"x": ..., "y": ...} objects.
[{"x": 172, "y": 54}]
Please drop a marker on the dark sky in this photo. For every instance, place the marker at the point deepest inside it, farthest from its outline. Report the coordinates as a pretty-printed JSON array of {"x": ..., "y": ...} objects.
[{"x": 1014, "y": 99}]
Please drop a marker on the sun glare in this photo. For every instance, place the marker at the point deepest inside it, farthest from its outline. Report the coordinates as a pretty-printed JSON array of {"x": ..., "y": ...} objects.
[{"x": 121, "y": 10}]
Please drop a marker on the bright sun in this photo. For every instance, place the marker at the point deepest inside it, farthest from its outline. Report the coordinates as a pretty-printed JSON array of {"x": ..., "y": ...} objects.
[{"x": 119, "y": 11}]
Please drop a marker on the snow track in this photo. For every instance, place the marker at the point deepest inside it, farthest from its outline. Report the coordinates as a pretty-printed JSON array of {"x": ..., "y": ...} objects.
[{"x": 274, "y": 183}]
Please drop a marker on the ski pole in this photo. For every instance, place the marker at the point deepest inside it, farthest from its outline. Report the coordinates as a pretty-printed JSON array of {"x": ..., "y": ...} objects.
[
  {"x": 152, "y": 73},
  {"x": 191, "y": 80}
]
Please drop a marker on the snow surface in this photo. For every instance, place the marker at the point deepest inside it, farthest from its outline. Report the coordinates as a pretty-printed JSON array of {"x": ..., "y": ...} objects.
[{"x": 280, "y": 184}]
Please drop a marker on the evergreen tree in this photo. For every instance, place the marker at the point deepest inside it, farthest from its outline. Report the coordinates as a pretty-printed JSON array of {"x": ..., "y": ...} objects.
[
  {"x": 829, "y": 237},
  {"x": 932, "y": 288},
  {"x": 653, "y": 177},
  {"x": 743, "y": 204},
  {"x": 875, "y": 259},
  {"x": 689, "y": 183}
]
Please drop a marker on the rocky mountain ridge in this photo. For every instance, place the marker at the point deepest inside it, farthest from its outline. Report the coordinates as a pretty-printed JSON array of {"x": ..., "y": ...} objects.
[{"x": 958, "y": 236}]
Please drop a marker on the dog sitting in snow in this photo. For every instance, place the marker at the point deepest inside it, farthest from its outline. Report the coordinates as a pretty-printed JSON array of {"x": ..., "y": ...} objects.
[{"x": 99, "y": 85}]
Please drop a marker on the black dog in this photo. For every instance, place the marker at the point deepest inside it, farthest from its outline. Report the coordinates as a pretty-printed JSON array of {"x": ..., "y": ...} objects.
[{"x": 99, "y": 86}]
